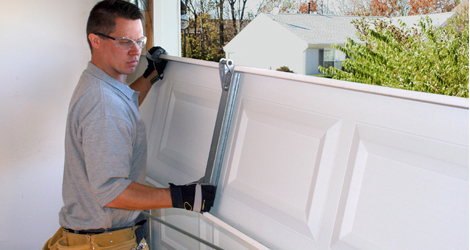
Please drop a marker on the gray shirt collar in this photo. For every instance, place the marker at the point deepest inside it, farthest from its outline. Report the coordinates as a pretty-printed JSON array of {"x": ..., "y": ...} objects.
[{"x": 99, "y": 73}]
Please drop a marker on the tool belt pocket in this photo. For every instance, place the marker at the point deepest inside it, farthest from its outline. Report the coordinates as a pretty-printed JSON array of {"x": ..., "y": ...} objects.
[{"x": 124, "y": 239}]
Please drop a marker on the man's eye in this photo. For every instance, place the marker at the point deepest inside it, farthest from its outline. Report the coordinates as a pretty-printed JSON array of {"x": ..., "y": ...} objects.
[{"x": 125, "y": 42}]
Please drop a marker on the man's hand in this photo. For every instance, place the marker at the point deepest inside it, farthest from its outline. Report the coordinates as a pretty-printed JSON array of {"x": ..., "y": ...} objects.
[
  {"x": 193, "y": 196},
  {"x": 155, "y": 63}
]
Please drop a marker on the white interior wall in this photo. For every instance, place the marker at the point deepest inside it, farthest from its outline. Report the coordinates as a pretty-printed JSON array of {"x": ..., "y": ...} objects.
[{"x": 44, "y": 51}]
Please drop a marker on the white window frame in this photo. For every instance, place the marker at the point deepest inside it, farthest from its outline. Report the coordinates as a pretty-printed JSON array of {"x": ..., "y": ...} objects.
[{"x": 335, "y": 61}]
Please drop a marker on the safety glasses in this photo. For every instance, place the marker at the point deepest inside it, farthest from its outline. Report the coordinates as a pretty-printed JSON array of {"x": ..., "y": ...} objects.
[{"x": 124, "y": 42}]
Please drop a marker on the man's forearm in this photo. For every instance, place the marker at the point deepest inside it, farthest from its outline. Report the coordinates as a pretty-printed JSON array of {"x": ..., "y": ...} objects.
[
  {"x": 141, "y": 197},
  {"x": 143, "y": 85}
]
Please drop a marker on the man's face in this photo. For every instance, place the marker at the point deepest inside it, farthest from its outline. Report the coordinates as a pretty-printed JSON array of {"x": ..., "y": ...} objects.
[{"x": 121, "y": 62}]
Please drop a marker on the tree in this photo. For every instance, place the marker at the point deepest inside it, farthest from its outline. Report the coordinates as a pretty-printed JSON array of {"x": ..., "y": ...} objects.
[
  {"x": 429, "y": 59},
  {"x": 311, "y": 7},
  {"x": 387, "y": 8},
  {"x": 392, "y": 8},
  {"x": 210, "y": 28},
  {"x": 356, "y": 8},
  {"x": 235, "y": 12},
  {"x": 284, "y": 6},
  {"x": 220, "y": 6},
  {"x": 420, "y": 7}
]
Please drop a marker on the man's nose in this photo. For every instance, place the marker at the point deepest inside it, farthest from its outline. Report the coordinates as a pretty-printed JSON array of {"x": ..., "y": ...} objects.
[{"x": 135, "y": 49}]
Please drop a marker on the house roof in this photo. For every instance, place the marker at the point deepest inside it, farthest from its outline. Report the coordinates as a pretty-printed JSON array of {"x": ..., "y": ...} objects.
[
  {"x": 323, "y": 29},
  {"x": 318, "y": 29},
  {"x": 439, "y": 19}
]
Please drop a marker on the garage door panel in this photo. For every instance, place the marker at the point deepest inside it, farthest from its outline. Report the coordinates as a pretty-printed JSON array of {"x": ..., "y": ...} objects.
[
  {"x": 403, "y": 187},
  {"x": 182, "y": 127},
  {"x": 314, "y": 163}
]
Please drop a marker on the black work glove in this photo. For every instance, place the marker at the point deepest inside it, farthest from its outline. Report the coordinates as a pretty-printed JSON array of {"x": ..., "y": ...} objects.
[
  {"x": 155, "y": 63},
  {"x": 186, "y": 196}
]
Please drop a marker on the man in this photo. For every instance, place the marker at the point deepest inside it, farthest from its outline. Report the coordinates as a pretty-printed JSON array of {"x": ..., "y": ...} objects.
[{"x": 105, "y": 143}]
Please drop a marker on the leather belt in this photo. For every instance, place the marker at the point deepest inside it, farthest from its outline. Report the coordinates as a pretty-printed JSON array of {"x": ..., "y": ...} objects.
[
  {"x": 140, "y": 232},
  {"x": 94, "y": 231}
]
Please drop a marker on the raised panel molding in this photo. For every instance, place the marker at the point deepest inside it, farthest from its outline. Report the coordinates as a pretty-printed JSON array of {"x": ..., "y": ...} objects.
[
  {"x": 271, "y": 139},
  {"x": 190, "y": 109},
  {"x": 182, "y": 142},
  {"x": 403, "y": 187}
]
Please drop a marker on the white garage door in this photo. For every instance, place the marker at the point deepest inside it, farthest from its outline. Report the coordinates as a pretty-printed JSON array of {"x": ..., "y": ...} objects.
[{"x": 313, "y": 163}]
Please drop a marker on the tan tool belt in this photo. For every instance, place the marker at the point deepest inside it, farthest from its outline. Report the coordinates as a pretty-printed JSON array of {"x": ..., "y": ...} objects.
[{"x": 124, "y": 239}]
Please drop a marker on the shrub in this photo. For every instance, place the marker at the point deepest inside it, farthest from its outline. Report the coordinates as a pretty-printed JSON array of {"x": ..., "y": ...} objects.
[
  {"x": 285, "y": 69},
  {"x": 428, "y": 59}
]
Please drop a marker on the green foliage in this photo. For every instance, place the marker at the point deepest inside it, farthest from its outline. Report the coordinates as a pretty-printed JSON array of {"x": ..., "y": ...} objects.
[
  {"x": 209, "y": 29},
  {"x": 285, "y": 69},
  {"x": 427, "y": 59},
  {"x": 203, "y": 43}
]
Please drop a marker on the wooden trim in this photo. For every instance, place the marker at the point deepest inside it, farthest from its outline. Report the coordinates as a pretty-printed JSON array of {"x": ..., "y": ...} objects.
[{"x": 149, "y": 25}]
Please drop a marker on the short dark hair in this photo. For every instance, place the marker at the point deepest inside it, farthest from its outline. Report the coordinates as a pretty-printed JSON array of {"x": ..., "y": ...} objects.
[{"x": 102, "y": 18}]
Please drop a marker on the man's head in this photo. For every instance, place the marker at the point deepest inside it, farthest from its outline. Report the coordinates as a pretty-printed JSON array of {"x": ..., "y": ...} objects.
[
  {"x": 102, "y": 18},
  {"x": 115, "y": 36}
]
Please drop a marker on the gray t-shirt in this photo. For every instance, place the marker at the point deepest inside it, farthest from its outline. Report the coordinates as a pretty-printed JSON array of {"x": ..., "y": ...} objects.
[{"x": 105, "y": 150}]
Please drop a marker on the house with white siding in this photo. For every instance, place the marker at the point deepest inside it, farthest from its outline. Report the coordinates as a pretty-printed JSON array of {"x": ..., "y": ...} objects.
[{"x": 299, "y": 41}]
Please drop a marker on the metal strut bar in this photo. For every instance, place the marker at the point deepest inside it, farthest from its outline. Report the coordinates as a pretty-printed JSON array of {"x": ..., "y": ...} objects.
[
  {"x": 229, "y": 81},
  {"x": 205, "y": 242}
]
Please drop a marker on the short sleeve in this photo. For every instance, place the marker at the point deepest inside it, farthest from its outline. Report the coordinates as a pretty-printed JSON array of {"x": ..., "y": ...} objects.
[{"x": 107, "y": 148}]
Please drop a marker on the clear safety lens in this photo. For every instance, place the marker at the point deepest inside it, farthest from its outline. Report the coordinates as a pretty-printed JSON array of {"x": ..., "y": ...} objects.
[
  {"x": 124, "y": 42},
  {"x": 127, "y": 43}
]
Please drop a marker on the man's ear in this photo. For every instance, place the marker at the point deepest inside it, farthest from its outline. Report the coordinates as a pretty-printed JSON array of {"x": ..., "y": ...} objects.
[{"x": 94, "y": 40}]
